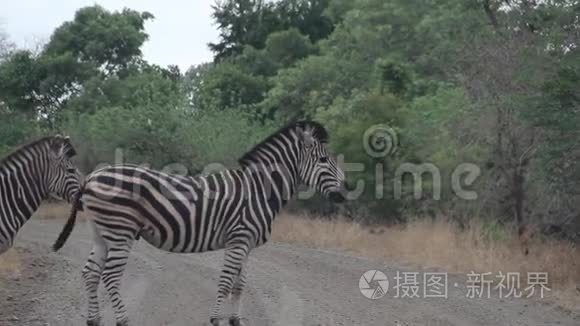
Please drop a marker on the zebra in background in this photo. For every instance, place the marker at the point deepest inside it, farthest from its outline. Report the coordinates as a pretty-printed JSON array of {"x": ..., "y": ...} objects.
[
  {"x": 28, "y": 176},
  {"x": 232, "y": 210}
]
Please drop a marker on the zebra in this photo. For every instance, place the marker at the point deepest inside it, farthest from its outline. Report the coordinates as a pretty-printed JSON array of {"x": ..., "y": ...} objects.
[
  {"x": 29, "y": 175},
  {"x": 232, "y": 209}
]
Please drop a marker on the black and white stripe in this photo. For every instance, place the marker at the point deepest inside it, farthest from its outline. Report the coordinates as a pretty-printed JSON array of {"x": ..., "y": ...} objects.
[
  {"x": 232, "y": 210},
  {"x": 28, "y": 176}
]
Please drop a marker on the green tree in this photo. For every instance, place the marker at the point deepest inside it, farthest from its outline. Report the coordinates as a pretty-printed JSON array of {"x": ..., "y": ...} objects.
[
  {"x": 556, "y": 112},
  {"x": 144, "y": 85},
  {"x": 308, "y": 16},
  {"x": 15, "y": 129},
  {"x": 243, "y": 81},
  {"x": 96, "y": 41},
  {"x": 249, "y": 22},
  {"x": 287, "y": 47},
  {"x": 241, "y": 23},
  {"x": 311, "y": 84},
  {"x": 108, "y": 40},
  {"x": 230, "y": 86},
  {"x": 144, "y": 114},
  {"x": 19, "y": 82},
  {"x": 193, "y": 82}
]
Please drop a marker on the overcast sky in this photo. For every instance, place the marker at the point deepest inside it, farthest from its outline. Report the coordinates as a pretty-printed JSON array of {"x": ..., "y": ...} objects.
[{"x": 179, "y": 34}]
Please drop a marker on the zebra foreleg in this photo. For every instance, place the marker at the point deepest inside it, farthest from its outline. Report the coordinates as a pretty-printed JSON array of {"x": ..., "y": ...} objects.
[
  {"x": 114, "y": 268},
  {"x": 235, "y": 256},
  {"x": 235, "y": 319}
]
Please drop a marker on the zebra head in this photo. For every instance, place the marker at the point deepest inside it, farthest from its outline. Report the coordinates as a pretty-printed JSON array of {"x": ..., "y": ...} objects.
[
  {"x": 318, "y": 168},
  {"x": 63, "y": 178}
]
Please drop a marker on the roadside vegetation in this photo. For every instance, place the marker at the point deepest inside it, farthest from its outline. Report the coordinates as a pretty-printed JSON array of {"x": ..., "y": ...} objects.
[{"x": 441, "y": 244}]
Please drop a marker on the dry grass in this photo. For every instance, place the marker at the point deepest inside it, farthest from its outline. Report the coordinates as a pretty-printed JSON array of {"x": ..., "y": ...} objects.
[
  {"x": 10, "y": 266},
  {"x": 10, "y": 263},
  {"x": 52, "y": 210},
  {"x": 439, "y": 244}
]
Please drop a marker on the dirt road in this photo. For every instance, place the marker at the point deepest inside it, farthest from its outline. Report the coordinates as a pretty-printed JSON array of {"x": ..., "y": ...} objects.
[{"x": 288, "y": 286}]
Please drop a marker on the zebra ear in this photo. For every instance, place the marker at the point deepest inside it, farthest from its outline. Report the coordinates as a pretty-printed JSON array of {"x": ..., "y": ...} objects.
[
  {"x": 56, "y": 145},
  {"x": 306, "y": 137},
  {"x": 68, "y": 148},
  {"x": 61, "y": 146}
]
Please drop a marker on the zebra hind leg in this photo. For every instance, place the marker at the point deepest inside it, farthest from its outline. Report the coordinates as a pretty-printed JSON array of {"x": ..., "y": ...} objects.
[
  {"x": 119, "y": 251},
  {"x": 91, "y": 275},
  {"x": 235, "y": 256},
  {"x": 236, "y": 319}
]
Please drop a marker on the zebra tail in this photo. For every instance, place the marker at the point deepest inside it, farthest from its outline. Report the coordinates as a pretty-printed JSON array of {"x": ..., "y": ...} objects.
[{"x": 70, "y": 224}]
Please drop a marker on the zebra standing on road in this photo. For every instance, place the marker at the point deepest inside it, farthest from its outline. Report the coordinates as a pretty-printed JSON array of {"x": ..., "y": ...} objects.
[
  {"x": 28, "y": 176},
  {"x": 232, "y": 210}
]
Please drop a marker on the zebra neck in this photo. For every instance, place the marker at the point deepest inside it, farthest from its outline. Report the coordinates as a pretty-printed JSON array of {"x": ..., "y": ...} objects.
[
  {"x": 21, "y": 191},
  {"x": 272, "y": 187}
]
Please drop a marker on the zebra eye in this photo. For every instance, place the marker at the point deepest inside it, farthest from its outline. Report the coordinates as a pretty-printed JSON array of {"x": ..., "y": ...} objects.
[
  {"x": 70, "y": 170},
  {"x": 323, "y": 159}
]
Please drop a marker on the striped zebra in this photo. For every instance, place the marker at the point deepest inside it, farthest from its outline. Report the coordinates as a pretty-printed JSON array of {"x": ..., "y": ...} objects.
[
  {"x": 232, "y": 210},
  {"x": 28, "y": 176}
]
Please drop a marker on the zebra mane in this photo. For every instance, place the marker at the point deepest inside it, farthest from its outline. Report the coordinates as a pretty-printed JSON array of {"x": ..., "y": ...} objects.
[
  {"x": 69, "y": 149},
  {"x": 317, "y": 130}
]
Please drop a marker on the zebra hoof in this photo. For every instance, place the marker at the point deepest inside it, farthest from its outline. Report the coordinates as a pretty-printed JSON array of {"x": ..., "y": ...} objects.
[
  {"x": 222, "y": 321},
  {"x": 94, "y": 322},
  {"x": 237, "y": 321},
  {"x": 214, "y": 321},
  {"x": 123, "y": 322}
]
